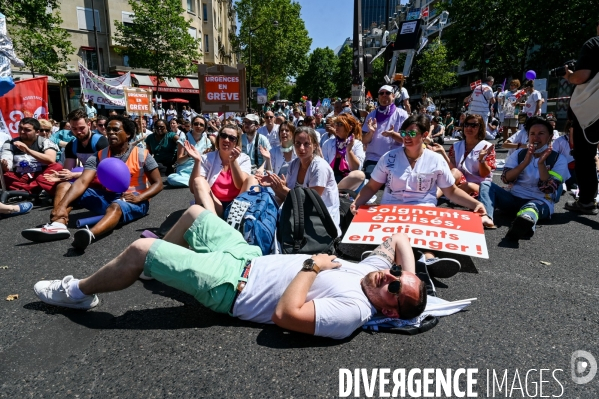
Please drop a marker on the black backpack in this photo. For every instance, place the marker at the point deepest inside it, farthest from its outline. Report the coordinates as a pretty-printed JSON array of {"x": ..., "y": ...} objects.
[
  {"x": 305, "y": 225},
  {"x": 346, "y": 198}
]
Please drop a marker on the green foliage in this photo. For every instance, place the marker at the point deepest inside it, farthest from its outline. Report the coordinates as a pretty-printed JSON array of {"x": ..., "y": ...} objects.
[
  {"x": 343, "y": 78},
  {"x": 277, "y": 52},
  {"x": 373, "y": 83},
  {"x": 317, "y": 81},
  {"x": 529, "y": 34},
  {"x": 436, "y": 71},
  {"x": 37, "y": 37},
  {"x": 158, "y": 39}
]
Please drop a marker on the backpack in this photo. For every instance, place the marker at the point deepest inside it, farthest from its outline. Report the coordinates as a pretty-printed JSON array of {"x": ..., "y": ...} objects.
[
  {"x": 95, "y": 138},
  {"x": 254, "y": 214},
  {"x": 346, "y": 198},
  {"x": 305, "y": 225},
  {"x": 550, "y": 163}
]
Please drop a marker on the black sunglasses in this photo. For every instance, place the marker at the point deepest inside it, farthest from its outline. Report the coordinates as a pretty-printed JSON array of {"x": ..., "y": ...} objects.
[
  {"x": 223, "y": 136},
  {"x": 45, "y": 130},
  {"x": 473, "y": 125},
  {"x": 386, "y": 93},
  {"x": 199, "y": 124},
  {"x": 269, "y": 117},
  {"x": 395, "y": 286}
]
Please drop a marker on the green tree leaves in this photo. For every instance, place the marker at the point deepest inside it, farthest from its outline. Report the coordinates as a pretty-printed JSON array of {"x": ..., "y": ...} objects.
[
  {"x": 158, "y": 39},
  {"x": 317, "y": 81},
  {"x": 436, "y": 71}
]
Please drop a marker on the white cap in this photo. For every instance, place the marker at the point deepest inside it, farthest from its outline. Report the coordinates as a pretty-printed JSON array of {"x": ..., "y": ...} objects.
[
  {"x": 252, "y": 117},
  {"x": 388, "y": 88}
]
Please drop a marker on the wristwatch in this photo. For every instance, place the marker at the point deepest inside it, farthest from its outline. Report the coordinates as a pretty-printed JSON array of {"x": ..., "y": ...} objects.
[{"x": 310, "y": 266}]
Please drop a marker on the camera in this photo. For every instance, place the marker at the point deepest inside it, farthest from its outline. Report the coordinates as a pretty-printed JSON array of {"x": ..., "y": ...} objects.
[{"x": 561, "y": 71}]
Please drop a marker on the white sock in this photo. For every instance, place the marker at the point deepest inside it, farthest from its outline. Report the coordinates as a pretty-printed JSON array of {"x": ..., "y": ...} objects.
[
  {"x": 56, "y": 224},
  {"x": 74, "y": 291}
]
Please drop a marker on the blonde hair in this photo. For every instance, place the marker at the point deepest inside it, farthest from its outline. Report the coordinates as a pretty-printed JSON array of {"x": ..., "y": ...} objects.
[{"x": 45, "y": 124}]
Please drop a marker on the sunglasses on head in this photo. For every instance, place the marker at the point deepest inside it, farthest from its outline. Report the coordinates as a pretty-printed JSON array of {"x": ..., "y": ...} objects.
[
  {"x": 471, "y": 124},
  {"x": 395, "y": 286},
  {"x": 406, "y": 133},
  {"x": 199, "y": 124},
  {"x": 384, "y": 93},
  {"x": 225, "y": 136}
]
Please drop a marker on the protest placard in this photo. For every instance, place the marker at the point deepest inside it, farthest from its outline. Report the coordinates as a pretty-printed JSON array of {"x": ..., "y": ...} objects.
[
  {"x": 138, "y": 101},
  {"x": 438, "y": 229},
  {"x": 222, "y": 88},
  {"x": 103, "y": 91}
]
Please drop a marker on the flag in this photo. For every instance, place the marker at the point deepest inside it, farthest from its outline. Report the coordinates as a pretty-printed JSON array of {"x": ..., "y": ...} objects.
[
  {"x": 368, "y": 95},
  {"x": 425, "y": 12},
  {"x": 28, "y": 99}
]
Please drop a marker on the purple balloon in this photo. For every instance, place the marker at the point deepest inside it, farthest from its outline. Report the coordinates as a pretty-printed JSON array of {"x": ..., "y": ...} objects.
[
  {"x": 77, "y": 169},
  {"x": 532, "y": 75},
  {"x": 114, "y": 175}
]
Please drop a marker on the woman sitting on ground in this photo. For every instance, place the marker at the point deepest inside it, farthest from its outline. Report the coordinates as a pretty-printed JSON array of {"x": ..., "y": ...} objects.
[
  {"x": 279, "y": 157},
  {"x": 438, "y": 131},
  {"x": 220, "y": 176},
  {"x": 535, "y": 175},
  {"x": 163, "y": 146},
  {"x": 346, "y": 153},
  {"x": 471, "y": 160},
  {"x": 413, "y": 174},
  {"x": 198, "y": 138},
  {"x": 309, "y": 169}
]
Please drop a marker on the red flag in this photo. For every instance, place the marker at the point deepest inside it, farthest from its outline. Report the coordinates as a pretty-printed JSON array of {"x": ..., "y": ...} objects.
[
  {"x": 472, "y": 85},
  {"x": 425, "y": 11},
  {"x": 29, "y": 98},
  {"x": 368, "y": 95}
]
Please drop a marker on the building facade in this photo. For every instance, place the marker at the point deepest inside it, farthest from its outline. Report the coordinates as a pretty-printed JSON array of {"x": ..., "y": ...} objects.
[{"x": 91, "y": 24}]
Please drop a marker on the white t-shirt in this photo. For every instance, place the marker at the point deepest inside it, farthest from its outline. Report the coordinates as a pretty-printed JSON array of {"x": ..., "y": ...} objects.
[
  {"x": 212, "y": 165},
  {"x": 329, "y": 151},
  {"x": 526, "y": 185},
  {"x": 186, "y": 115},
  {"x": 520, "y": 137},
  {"x": 531, "y": 103},
  {"x": 319, "y": 174},
  {"x": 481, "y": 97},
  {"x": 408, "y": 186},
  {"x": 379, "y": 145},
  {"x": 272, "y": 136},
  {"x": 403, "y": 96},
  {"x": 340, "y": 305},
  {"x": 562, "y": 145},
  {"x": 278, "y": 162}
]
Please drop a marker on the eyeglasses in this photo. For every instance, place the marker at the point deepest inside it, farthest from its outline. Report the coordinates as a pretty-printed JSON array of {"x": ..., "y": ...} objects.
[
  {"x": 269, "y": 117},
  {"x": 101, "y": 125},
  {"x": 161, "y": 127},
  {"x": 384, "y": 93},
  {"x": 411, "y": 133},
  {"x": 248, "y": 122},
  {"x": 225, "y": 136},
  {"x": 199, "y": 124},
  {"x": 472, "y": 125},
  {"x": 395, "y": 286},
  {"x": 46, "y": 130}
]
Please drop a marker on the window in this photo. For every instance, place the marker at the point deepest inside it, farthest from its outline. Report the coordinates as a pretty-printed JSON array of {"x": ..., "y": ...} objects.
[
  {"x": 127, "y": 18},
  {"x": 205, "y": 11},
  {"x": 191, "y": 6},
  {"x": 193, "y": 32},
  {"x": 85, "y": 20},
  {"x": 206, "y": 44},
  {"x": 90, "y": 59}
]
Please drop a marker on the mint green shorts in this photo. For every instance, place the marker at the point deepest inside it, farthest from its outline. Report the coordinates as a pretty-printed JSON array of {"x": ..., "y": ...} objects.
[{"x": 212, "y": 266}]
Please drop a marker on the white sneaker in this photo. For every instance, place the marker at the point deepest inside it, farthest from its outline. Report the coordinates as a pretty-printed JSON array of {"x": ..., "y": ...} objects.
[
  {"x": 56, "y": 292},
  {"x": 82, "y": 238},
  {"x": 372, "y": 200},
  {"x": 50, "y": 232}
]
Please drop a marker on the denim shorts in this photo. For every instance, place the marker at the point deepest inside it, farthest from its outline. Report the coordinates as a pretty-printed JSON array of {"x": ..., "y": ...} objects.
[{"x": 98, "y": 201}]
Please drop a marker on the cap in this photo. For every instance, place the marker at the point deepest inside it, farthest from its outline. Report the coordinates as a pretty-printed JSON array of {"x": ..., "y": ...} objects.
[
  {"x": 386, "y": 87},
  {"x": 252, "y": 117}
]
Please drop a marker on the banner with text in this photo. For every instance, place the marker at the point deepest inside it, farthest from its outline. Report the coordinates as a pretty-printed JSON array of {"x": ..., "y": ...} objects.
[
  {"x": 138, "y": 101},
  {"x": 103, "y": 91},
  {"x": 438, "y": 229},
  {"x": 28, "y": 99}
]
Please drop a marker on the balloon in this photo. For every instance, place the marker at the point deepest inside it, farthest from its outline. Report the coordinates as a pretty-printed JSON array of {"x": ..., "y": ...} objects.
[
  {"x": 114, "y": 174},
  {"x": 531, "y": 75},
  {"x": 76, "y": 170}
]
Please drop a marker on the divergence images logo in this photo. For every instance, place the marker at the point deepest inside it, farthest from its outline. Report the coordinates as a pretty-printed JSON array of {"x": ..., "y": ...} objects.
[{"x": 584, "y": 367}]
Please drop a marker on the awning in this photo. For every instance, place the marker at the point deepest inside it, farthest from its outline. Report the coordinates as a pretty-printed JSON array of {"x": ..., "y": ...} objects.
[{"x": 177, "y": 85}]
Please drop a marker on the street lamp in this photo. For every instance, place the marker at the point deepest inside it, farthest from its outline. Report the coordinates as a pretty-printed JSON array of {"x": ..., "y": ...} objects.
[{"x": 275, "y": 24}]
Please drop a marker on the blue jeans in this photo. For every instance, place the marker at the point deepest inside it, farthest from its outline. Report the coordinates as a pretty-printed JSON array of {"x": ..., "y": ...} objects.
[{"x": 492, "y": 196}]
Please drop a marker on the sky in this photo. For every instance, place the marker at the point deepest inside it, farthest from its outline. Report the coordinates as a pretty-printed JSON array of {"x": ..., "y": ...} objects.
[{"x": 329, "y": 22}]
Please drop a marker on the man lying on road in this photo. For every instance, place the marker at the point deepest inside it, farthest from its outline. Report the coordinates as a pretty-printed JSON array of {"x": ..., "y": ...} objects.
[{"x": 205, "y": 257}]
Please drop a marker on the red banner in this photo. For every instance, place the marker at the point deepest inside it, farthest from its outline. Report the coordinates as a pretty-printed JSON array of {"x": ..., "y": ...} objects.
[{"x": 28, "y": 99}]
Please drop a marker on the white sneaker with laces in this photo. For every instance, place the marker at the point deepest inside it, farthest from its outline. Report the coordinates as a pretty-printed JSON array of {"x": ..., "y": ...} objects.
[
  {"x": 56, "y": 292},
  {"x": 49, "y": 232},
  {"x": 82, "y": 238}
]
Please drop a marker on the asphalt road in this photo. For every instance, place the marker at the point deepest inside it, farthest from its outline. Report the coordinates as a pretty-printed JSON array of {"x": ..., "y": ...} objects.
[{"x": 151, "y": 341}]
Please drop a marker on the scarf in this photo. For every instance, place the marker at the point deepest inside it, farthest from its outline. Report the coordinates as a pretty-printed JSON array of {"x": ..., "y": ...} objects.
[
  {"x": 286, "y": 149},
  {"x": 341, "y": 150},
  {"x": 384, "y": 113}
]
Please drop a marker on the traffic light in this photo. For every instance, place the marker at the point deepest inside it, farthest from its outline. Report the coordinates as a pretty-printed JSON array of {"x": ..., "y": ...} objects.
[{"x": 488, "y": 52}]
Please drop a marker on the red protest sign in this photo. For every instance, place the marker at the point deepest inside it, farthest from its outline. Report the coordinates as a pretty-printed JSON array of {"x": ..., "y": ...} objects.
[
  {"x": 138, "y": 101},
  {"x": 221, "y": 88},
  {"x": 29, "y": 98},
  {"x": 439, "y": 229}
]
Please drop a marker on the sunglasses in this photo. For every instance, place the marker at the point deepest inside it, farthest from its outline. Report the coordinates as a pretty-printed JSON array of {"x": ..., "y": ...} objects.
[
  {"x": 225, "y": 136},
  {"x": 384, "y": 93},
  {"x": 199, "y": 124},
  {"x": 395, "y": 286},
  {"x": 269, "y": 117},
  {"x": 472, "y": 125},
  {"x": 101, "y": 125},
  {"x": 411, "y": 133},
  {"x": 161, "y": 127},
  {"x": 45, "y": 130}
]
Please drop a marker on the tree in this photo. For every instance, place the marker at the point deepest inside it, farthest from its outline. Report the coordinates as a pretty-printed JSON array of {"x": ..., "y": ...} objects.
[
  {"x": 342, "y": 78},
  {"x": 434, "y": 70},
  {"x": 317, "y": 81},
  {"x": 37, "y": 37},
  {"x": 158, "y": 39},
  {"x": 277, "y": 52},
  {"x": 373, "y": 83},
  {"x": 527, "y": 35}
]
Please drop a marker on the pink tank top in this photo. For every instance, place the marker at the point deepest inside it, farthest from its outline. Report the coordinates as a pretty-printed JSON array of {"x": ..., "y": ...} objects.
[{"x": 223, "y": 188}]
